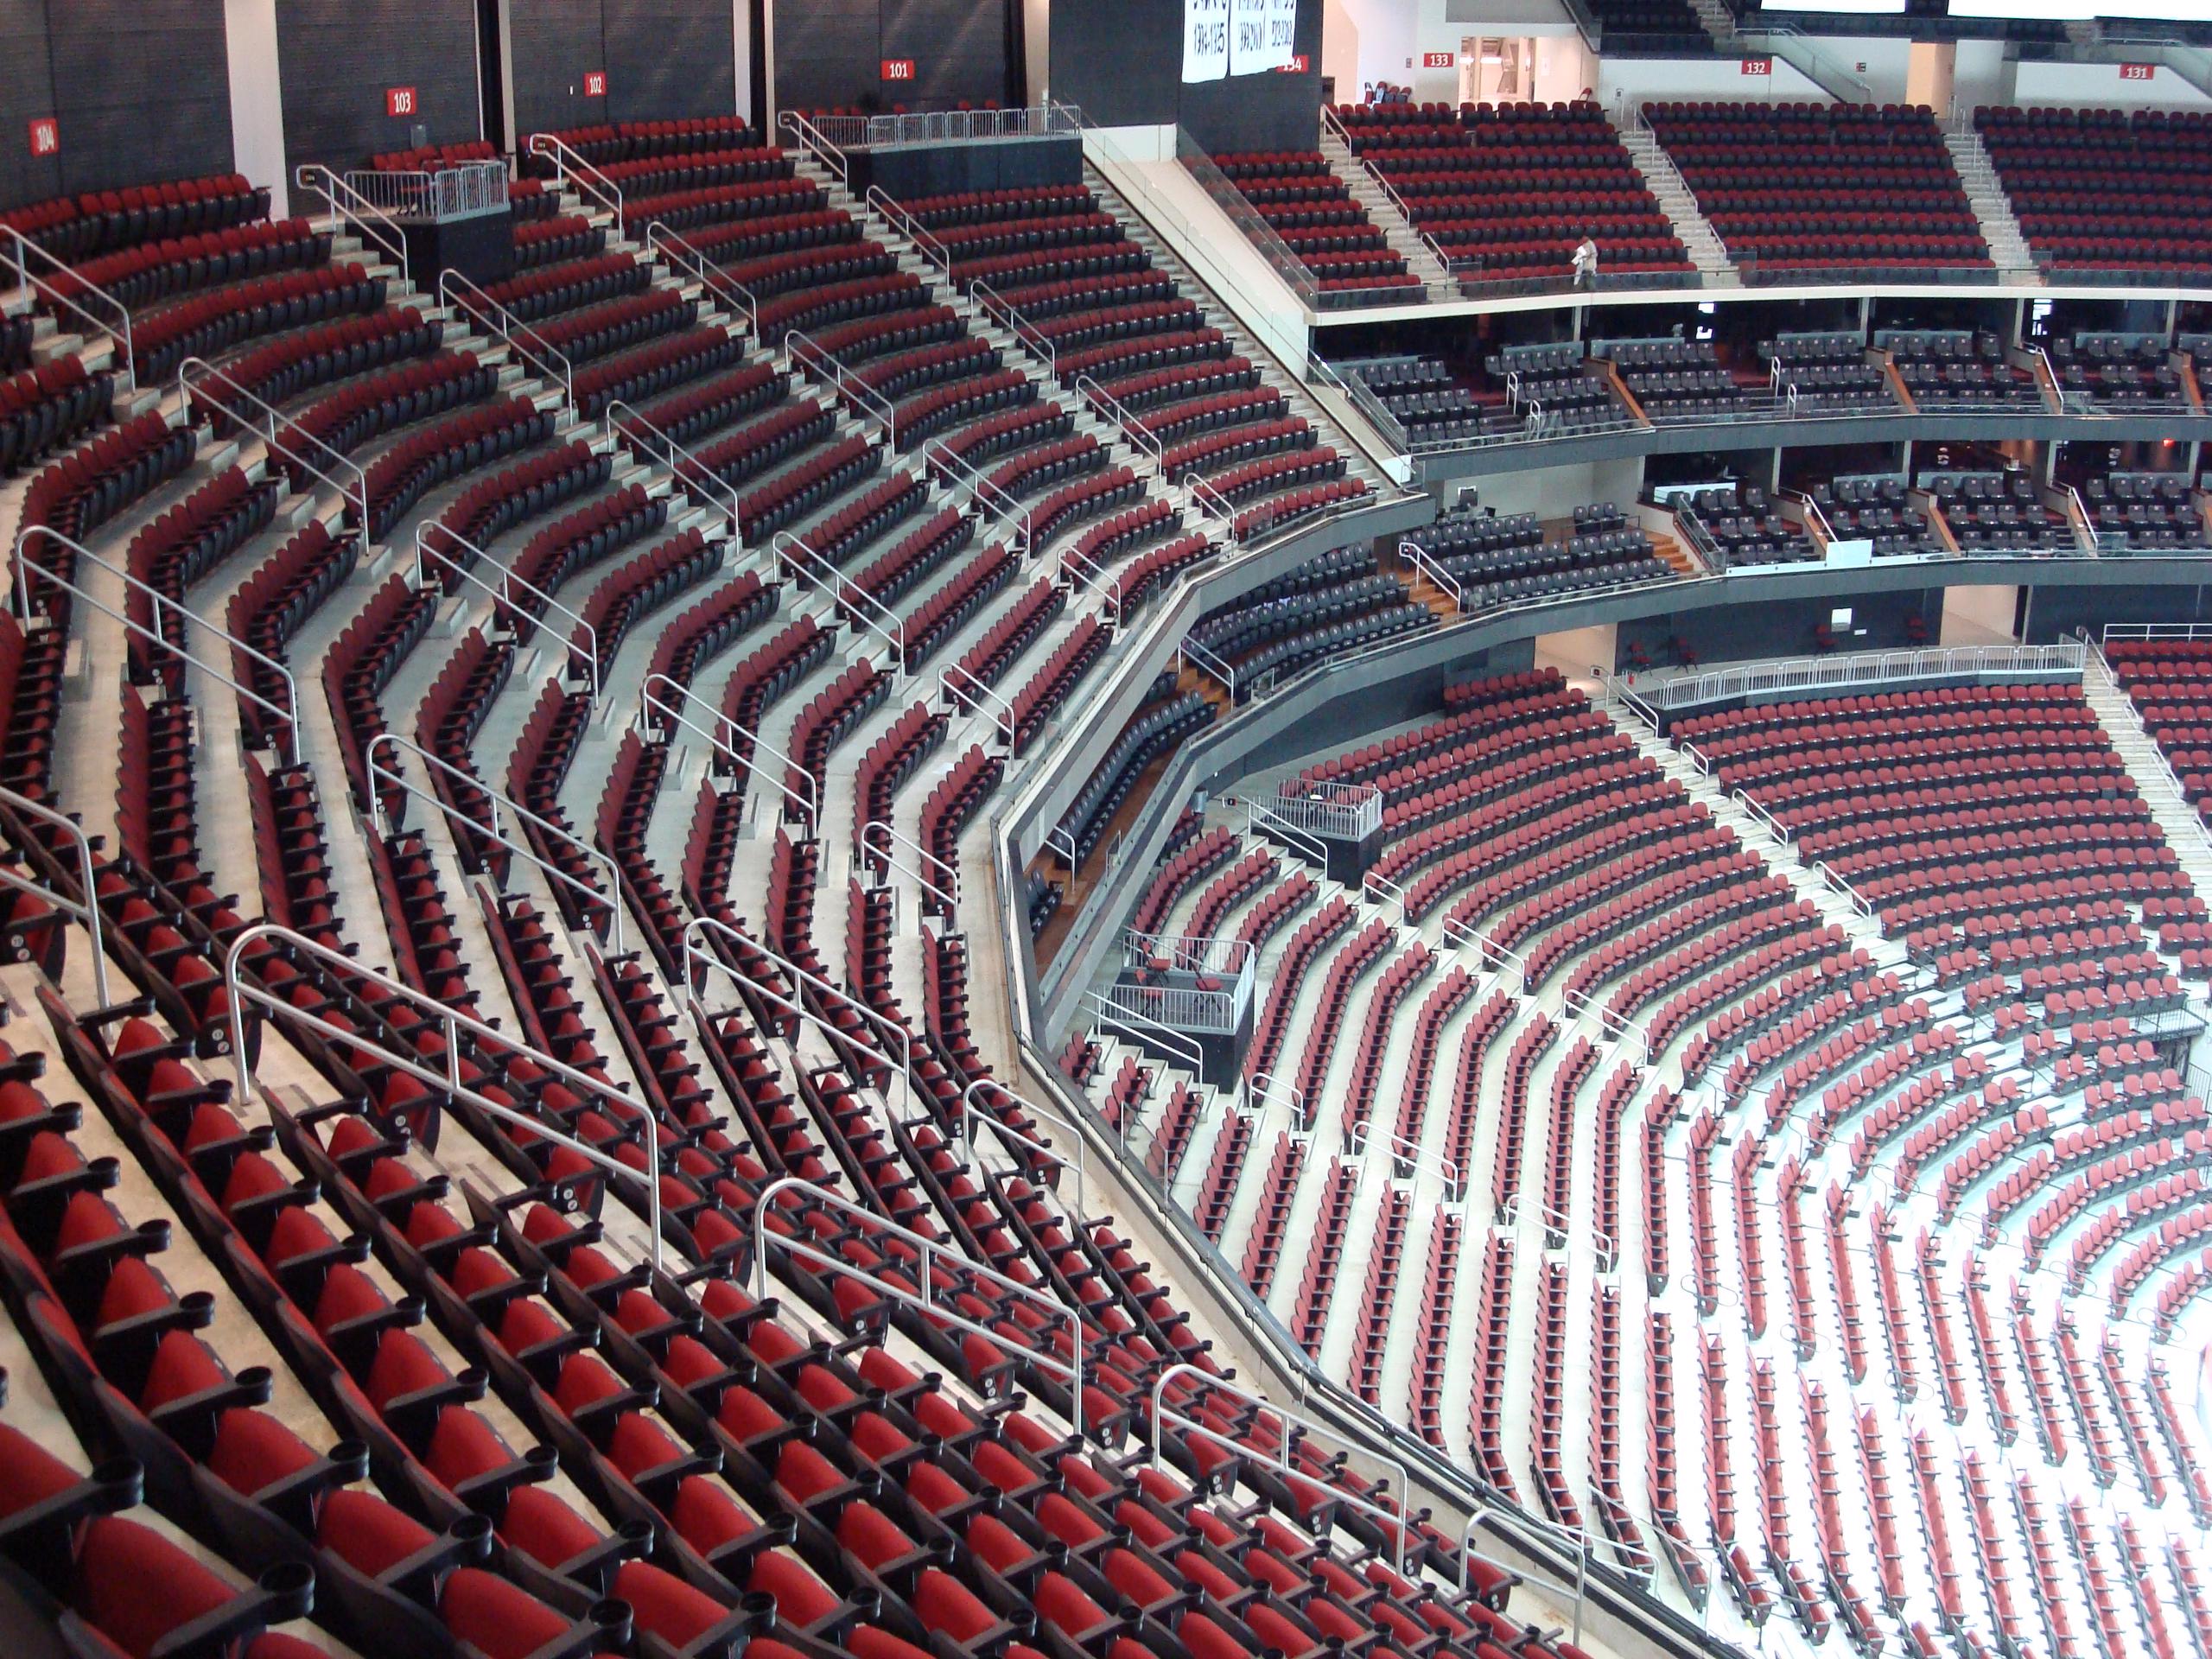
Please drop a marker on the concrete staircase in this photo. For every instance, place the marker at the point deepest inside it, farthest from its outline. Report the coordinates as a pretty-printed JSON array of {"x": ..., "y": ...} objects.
[
  {"x": 2177, "y": 819},
  {"x": 1992, "y": 211},
  {"x": 1397, "y": 230},
  {"x": 1719, "y": 22},
  {"x": 1678, "y": 203}
]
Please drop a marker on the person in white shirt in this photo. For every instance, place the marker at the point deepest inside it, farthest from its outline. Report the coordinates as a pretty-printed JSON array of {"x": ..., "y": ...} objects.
[{"x": 1586, "y": 262}]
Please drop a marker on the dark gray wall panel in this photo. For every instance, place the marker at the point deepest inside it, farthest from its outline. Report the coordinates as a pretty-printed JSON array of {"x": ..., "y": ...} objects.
[
  {"x": 141, "y": 89},
  {"x": 669, "y": 60},
  {"x": 958, "y": 47},
  {"x": 829, "y": 53},
  {"x": 1121, "y": 60},
  {"x": 337, "y": 58},
  {"x": 26, "y": 92},
  {"x": 555, "y": 43}
]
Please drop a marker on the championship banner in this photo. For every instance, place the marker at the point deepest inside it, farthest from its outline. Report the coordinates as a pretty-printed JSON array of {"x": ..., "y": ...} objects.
[
  {"x": 1263, "y": 35},
  {"x": 1206, "y": 39}
]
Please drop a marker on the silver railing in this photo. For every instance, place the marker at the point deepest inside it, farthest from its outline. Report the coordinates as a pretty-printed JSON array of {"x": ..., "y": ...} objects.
[
  {"x": 1294, "y": 1431},
  {"x": 161, "y": 605},
  {"x": 498, "y": 806},
  {"x": 501, "y": 594},
  {"x": 369, "y": 221},
  {"x": 1141, "y": 1028},
  {"x": 692, "y": 475},
  {"x": 109, "y": 315},
  {"x": 452, "y": 1024},
  {"x": 965, "y": 478},
  {"x": 853, "y": 601},
  {"x": 686, "y": 257},
  {"x": 466, "y": 297},
  {"x": 807, "y": 136},
  {"x": 1853, "y": 669},
  {"x": 943, "y": 886},
  {"x": 572, "y": 170},
  {"x": 1346, "y": 811},
  {"x": 87, "y": 909},
  {"x": 895, "y": 215},
  {"x": 930, "y": 1254},
  {"x": 701, "y": 963},
  {"x": 267, "y": 422},
  {"x": 1032, "y": 338},
  {"x": 457, "y": 190},
  {"x": 865, "y": 401},
  {"x": 1411, "y": 1154},
  {"x": 1131, "y": 423},
  {"x": 947, "y": 126},
  {"x": 653, "y": 702},
  {"x": 975, "y": 1122},
  {"x": 962, "y": 691}
]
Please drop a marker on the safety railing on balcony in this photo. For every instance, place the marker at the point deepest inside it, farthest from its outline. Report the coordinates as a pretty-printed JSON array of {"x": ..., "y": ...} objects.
[
  {"x": 1855, "y": 669},
  {"x": 458, "y": 190},
  {"x": 1042, "y": 120}
]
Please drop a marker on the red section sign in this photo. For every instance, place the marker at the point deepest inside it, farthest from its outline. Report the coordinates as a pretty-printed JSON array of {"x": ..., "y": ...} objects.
[
  {"x": 1439, "y": 59},
  {"x": 401, "y": 100},
  {"x": 1759, "y": 65},
  {"x": 594, "y": 83},
  {"x": 1297, "y": 65},
  {"x": 46, "y": 136},
  {"x": 898, "y": 69},
  {"x": 2138, "y": 71}
]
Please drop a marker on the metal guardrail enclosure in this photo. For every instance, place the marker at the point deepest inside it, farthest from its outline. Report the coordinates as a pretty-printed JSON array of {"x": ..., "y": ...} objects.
[
  {"x": 454, "y": 1023},
  {"x": 457, "y": 190},
  {"x": 1347, "y": 811}
]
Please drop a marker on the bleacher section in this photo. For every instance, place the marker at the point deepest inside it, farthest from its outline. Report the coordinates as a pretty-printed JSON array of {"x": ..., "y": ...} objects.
[
  {"x": 1796, "y": 188},
  {"x": 2104, "y": 193},
  {"x": 1508, "y": 193},
  {"x": 1305, "y": 203}
]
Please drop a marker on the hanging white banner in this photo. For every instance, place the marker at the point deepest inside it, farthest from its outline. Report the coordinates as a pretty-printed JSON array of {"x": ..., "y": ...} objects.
[
  {"x": 1282, "y": 33},
  {"x": 1206, "y": 39}
]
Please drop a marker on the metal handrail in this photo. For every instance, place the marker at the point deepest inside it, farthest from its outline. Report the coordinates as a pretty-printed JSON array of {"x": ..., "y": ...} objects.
[
  {"x": 817, "y": 572},
  {"x": 1072, "y": 565},
  {"x": 1190, "y": 653},
  {"x": 569, "y": 168},
  {"x": 910, "y": 227},
  {"x": 1132, "y": 423},
  {"x": 975, "y": 696},
  {"x": 973, "y": 1121},
  {"x": 931, "y": 1252},
  {"x": 696, "y": 955},
  {"x": 1033, "y": 339},
  {"x": 1608, "y": 1252},
  {"x": 349, "y": 205},
  {"x": 1142, "y": 1028},
  {"x": 1615, "y": 1025},
  {"x": 1259, "y": 817},
  {"x": 652, "y": 703},
  {"x": 801, "y": 349},
  {"x": 119, "y": 327},
  {"x": 587, "y": 652},
  {"x": 287, "y": 717},
  {"x": 685, "y": 467},
  {"x": 948, "y": 895},
  {"x": 1773, "y": 825},
  {"x": 1293, "y": 1427},
  {"x": 453, "y": 1022},
  {"x": 680, "y": 253},
  {"x": 1849, "y": 670},
  {"x": 1201, "y": 498},
  {"x": 518, "y": 846},
  {"x": 87, "y": 910},
  {"x": 1423, "y": 561},
  {"x": 188, "y": 388},
  {"x": 1018, "y": 521},
  {"x": 1364, "y": 1134},
  {"x": 817, "y": 144},
  {"x": 455, "y": 290}
]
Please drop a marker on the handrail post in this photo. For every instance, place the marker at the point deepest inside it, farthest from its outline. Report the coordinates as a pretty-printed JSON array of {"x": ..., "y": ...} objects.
[
  {"x": 652, "y": 703},
  {"x": 357, "y": 210},
  {"x": 86, "y": 908},
  {"x": 189, "y": 390},
  {"x": 162, "y": 604},
  {"x": 495, "y": 800},
  {"x": 238, "y": 991}
]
